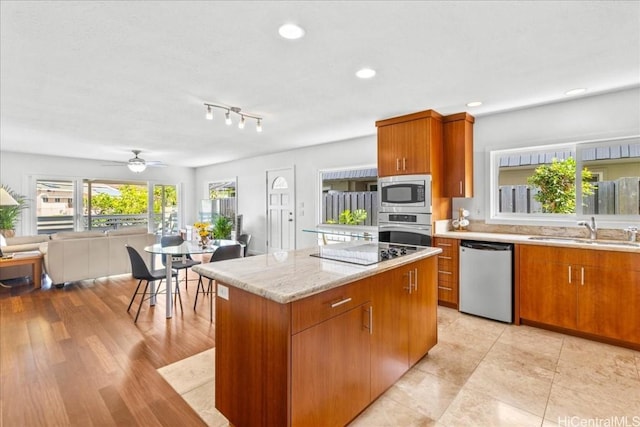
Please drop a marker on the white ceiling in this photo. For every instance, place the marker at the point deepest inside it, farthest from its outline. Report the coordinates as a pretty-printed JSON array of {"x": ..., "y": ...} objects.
[{"x": 98, "y": 79}]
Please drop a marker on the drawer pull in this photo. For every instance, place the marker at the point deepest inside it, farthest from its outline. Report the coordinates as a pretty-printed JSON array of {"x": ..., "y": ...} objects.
[
  {"x": 444, "y": 272},
  {"x": 339, "y": 303},
  {"x": 444, "y": 244},
  {"x": 444, "y": 257}
]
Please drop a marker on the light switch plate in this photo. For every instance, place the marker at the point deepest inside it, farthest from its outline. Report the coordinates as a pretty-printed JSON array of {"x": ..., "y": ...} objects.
[{"x": 223, "y": 292}]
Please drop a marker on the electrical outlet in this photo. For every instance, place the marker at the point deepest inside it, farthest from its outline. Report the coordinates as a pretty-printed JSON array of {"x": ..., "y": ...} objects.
[{"x": 223, "y": 292}]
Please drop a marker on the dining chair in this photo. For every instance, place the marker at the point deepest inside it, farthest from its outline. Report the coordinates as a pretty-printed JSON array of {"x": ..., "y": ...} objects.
[
  {"x": 221, "y": 254},
  {"x": 178, "y": 262},
  {"x": 140, "y": 271},
  {"x": 245, "y": 239}
]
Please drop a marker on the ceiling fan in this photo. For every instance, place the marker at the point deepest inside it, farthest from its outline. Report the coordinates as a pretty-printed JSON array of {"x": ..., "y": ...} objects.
[{"x": 137, "y": 164}]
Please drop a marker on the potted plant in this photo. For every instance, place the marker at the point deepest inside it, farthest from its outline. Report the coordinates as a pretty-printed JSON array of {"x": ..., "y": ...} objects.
[
  {"x": 222, "y": 228},
  {"x": 10, "y": 214}
]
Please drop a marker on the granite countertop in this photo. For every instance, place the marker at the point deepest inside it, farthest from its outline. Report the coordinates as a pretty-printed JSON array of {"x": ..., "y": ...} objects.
[
  {"x": 284, "y": 277},
  {"x": 573, "y": 242}
]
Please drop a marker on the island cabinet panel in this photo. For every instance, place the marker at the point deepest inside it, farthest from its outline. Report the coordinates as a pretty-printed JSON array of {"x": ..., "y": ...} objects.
[
  {"x": 404, "y": 327},
  {"x": 592, "y": 292},
  {"x": 331, "y": 370},
  {"x": 252, "y": 351}
]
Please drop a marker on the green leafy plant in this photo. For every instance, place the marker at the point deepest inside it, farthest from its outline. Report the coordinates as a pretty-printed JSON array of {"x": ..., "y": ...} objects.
[
  {"x": 352, "y": 217},
  {"x": 9, "y": 215},
  {"x": 557, "y": 184},
  {"x": 222, "y": 228}
]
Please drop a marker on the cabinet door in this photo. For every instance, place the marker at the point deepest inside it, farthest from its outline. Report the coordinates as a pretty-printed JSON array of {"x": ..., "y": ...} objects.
[
  {"x": 390, "y": 338},
  {"x": 331, "y": 370},
  {"x": 404, "y": 148},
  {"x": 458, "y": 157},
  {"x": 389, "y": 152},
  {"x": 548, "y": 291},
  {"x": 423, "y": 300},
  {"x": 416, "y": 146},
  {"x": 609, "y": 296}
]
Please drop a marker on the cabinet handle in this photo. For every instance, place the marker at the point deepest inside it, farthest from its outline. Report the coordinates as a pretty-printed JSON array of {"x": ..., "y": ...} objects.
[
  {"x": 444, "y": 244},
  {"x": 397, "y": 163},
  {"x": 444, "y": 272},
  {"x": 581, "y": 276},
  {"x": 370, "y": 320},
  {"x": 344, "y": 301},
  {"x": 408, "y": 288},
  {"x": 461, "y": 188},
  {"x": 404, "y": 164},
  {"x": 415, "y": 283},
  {"x": 444, "y": 257},
  {"x": 569, "y": 274},
  {"x": 444, "y": 287}
]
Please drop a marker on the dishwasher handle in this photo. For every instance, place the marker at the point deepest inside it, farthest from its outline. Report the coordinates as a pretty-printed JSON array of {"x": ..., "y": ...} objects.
[{"x": 486, "y": 246}]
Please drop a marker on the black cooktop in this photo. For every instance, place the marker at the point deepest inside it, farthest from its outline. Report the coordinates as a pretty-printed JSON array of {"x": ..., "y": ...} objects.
[{"x": 364, "y": 253}]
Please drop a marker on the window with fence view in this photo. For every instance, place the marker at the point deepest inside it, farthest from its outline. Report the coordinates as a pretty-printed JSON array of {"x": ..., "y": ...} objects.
[
  {"x": 601, "y": 178},
  {"x": 350, "y": 197}
]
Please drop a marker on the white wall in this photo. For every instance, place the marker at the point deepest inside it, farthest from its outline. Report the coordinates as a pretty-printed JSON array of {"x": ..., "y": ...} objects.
[
  {"x": 609, "y": 115},
  {"x": 252, "y": 189},
  {"x": 19, "y": 171}
]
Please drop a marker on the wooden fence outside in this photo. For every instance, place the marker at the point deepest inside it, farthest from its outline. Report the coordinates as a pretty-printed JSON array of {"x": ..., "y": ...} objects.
[
  {"x": 336, "y": 202},
  {"x": 619, "y": 197}
]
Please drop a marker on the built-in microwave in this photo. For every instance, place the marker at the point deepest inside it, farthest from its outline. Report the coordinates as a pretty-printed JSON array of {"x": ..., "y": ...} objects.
[{"x": 405, "y": 193}]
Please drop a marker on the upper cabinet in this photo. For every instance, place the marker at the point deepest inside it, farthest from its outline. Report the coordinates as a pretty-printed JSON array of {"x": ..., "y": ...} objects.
[
  {"x": 458, "y": 155},
  {"x": 406, "y": 144}
]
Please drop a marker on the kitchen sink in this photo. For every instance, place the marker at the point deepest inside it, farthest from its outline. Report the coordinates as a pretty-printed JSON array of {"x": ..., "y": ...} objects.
[{"x": 585, "y": 241}]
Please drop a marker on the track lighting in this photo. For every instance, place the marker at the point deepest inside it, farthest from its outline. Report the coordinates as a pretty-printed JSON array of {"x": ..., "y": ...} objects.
[{"x": 227, "y": 115}]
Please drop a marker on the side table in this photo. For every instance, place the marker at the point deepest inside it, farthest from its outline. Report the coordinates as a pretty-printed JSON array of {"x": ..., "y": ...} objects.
[{"x": 35, "y": 260}]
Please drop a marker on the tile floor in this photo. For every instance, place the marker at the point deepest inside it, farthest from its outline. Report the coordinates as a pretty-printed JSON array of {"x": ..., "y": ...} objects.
[{"x": 481, "y": 373}]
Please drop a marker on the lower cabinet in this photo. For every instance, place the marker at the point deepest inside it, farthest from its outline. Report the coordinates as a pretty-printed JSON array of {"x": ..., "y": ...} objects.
[
  {"x": 321, "y": 360},
  {"x": 590, "y": 291},
  {"x": 404, "y": 321},
  {"x": 448, "y": 271},
  {"x": 330, "y": 370}
]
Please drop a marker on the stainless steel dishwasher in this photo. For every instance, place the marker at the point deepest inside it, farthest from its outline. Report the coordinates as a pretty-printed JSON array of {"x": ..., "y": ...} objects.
[{"x": 486, "y": 279}]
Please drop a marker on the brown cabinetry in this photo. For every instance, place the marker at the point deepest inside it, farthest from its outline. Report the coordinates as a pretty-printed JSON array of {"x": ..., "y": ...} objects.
[
  {"x": 457, "y": 138},
  {"x": 404, "y": 321},
  {"x": 589, "y": 291},
  {"x": 314, "y": 361},
  {"x": 447, "y": 271},
  {"x": 405, "y": 143}
]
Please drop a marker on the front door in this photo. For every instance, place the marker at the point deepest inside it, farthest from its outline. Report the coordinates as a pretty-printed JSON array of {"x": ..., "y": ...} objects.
[{"x": 281, "y": 223}]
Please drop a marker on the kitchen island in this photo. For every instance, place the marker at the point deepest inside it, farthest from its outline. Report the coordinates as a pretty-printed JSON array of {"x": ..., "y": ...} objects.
[{"x": 303, "y": 341}]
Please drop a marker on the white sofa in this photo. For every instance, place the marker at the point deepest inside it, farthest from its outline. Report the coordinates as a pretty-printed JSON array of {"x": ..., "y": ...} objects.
[{"x": 73, "y": 256}]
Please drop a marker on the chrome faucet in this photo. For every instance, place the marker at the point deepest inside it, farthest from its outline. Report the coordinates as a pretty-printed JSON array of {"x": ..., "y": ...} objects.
[
  {"x": 632, "y": 233},
  {"x": 593, "y": 228}
]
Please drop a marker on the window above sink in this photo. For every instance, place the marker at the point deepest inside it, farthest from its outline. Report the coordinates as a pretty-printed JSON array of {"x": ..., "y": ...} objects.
[{"x": 560, "y": 184}]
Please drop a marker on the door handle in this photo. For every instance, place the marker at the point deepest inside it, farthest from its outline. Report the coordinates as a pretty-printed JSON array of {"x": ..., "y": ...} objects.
[{"x": 404, "y": 164}]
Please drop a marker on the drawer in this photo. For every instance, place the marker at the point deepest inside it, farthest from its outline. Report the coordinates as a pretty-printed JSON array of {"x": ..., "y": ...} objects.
[
  {"x": 447, "y": 264},
  {"x": 448, "y": 295},
  {"x": 320, "y": 307}
]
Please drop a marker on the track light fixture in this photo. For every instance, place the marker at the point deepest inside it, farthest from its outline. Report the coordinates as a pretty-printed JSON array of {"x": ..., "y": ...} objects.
[{"x": 236, "y": 110}]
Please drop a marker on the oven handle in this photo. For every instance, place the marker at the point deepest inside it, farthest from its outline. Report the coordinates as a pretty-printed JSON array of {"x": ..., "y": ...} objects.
[{"x": 425, "y": 229}]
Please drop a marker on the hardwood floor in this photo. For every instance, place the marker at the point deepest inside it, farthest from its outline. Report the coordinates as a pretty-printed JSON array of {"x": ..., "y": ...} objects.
[{"x": 73, "y": 356}]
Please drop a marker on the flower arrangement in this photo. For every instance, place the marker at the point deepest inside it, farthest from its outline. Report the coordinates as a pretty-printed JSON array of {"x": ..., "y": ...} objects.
[{"x": 203, "y": 231}]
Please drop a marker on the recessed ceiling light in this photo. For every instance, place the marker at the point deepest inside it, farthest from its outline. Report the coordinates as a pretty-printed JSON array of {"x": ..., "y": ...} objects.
[
  {"x": 474, "y": 104},
  {"x": 291, "y": 31},
  {"x": 365, "y": 73},
  {"x": 576, "y": 91}
]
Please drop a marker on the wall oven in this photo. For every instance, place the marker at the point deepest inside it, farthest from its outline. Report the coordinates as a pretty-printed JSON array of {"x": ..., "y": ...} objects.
[
  {"x": 405, "y": 193},
  {"x": 405, "y": 228}
]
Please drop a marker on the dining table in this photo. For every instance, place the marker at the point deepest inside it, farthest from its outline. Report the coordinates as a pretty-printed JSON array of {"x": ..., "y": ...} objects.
[{"x": 171, "y": 253}]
